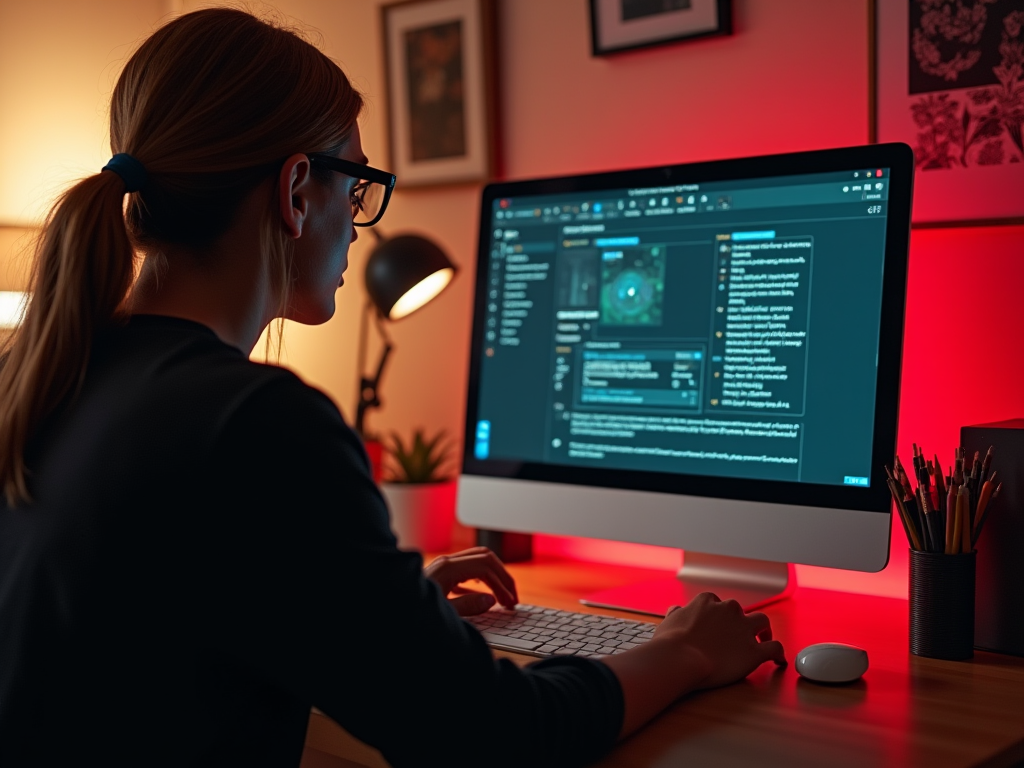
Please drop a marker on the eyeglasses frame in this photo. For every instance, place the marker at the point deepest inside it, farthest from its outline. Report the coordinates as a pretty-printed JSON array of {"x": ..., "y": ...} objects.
[{"x": 359, "y": 171}]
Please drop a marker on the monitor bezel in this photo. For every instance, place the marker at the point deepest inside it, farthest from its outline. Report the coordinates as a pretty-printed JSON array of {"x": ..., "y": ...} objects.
[{"x": 898, "y": 158}]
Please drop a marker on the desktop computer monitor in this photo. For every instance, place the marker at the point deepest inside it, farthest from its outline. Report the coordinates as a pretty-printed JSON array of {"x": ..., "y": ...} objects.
[{"x": 701, "y": 356}]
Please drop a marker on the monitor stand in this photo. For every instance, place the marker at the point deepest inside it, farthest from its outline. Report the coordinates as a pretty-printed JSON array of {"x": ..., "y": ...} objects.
[{"x": 752, "y": 583}]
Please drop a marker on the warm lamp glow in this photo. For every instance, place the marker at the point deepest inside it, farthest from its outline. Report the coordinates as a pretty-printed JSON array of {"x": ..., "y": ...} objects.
[
  {"x": 12, "y": 308},
  {"x": 421, "y": 293},
  {"x": 58, "y": 65}
]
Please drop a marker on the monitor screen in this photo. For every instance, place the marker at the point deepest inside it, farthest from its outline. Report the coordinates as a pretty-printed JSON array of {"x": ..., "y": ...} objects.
[{"x": 721, "y": 329}]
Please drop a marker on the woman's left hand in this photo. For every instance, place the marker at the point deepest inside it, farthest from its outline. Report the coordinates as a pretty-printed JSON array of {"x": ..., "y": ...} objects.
[{"x": 478, "y": 563}]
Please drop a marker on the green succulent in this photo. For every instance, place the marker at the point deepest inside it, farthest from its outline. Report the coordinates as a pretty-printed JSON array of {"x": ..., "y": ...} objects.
[{"x": 421, "y": 461}]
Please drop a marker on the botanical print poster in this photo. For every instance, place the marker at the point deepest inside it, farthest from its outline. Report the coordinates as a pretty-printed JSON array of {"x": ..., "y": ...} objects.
[{"x": 950, "y": 82}]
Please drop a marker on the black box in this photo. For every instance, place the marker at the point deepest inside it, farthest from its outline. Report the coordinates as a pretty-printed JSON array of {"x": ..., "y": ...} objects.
[{"x": 999, "y": 612}]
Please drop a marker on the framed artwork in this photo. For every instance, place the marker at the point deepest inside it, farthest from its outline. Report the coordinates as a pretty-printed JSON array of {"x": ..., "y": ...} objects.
[
  {"x": 626, "y": 25},
  {"x": 948, "y": 79},
  {"x": 440, "y": 64}
]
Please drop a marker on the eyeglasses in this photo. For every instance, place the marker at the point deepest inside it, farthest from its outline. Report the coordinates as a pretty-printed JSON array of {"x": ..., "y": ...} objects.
[{"x": 371, "y": 193}]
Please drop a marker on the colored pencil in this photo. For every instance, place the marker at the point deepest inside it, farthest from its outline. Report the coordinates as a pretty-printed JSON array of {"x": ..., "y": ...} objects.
[
  {"x": 983, "y": 502},
  {"x": 986, "y": 464},
  {"x": 965, "y": 533},
  {"x": 908, "y": 525},
  {"x": 940, "y": 485},
  {"x": 954, "y": 547},
  {"x": 950, "y": 518},
  {"x": 944, "y": 514}
]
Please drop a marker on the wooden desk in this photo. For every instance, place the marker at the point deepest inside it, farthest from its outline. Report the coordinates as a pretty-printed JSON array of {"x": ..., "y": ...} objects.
[{"x": 906, "y": 711}]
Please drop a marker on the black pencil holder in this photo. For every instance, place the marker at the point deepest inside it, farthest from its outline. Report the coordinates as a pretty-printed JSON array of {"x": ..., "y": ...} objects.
[{"x": 942, "y": 605}]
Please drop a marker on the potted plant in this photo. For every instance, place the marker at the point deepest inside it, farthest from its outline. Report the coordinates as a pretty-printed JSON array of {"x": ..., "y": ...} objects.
[{"x": 420, "y": 491}]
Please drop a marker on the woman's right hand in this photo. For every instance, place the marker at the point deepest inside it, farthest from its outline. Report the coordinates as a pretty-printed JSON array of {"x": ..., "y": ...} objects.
[
  {"x": 730, "y": 643},
  {"x": 705, "y": 644}
]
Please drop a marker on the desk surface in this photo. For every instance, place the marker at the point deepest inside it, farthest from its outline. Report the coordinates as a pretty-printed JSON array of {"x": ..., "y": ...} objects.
[{"x": 906, "y": 711}]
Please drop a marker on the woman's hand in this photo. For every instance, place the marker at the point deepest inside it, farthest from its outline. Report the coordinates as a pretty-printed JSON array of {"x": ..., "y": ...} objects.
[
  {"x": 731, "y": 643},
  {"x": 705, "y": 644},
  {"x": 478, "y": 563}
]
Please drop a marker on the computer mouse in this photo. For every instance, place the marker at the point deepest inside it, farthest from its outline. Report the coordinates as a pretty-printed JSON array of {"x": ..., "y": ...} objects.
[{"x": 832, "y": 662}]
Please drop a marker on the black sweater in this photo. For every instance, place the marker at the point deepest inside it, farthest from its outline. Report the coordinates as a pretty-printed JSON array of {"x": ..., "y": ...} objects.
[{"x": 206, "y": 556}]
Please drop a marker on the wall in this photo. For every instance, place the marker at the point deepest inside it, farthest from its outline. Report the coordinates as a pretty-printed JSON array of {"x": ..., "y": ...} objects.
[
  {"x": 58, "y": 62},
  {"x": 793, "y": 76}
]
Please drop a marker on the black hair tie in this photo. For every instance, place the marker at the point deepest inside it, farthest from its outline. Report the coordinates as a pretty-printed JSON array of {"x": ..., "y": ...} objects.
[{"x": 131, "y": 171}]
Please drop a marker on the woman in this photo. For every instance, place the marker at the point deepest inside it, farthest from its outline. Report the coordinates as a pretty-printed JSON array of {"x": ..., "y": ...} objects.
[{"x": 192, "y": 552}]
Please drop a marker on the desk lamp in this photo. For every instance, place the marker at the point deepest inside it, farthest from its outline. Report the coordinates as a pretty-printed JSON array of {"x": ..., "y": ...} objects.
[{"x": 402, "y": 274}]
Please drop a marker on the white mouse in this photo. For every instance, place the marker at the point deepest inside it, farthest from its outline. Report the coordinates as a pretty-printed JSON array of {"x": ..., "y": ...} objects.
[{"x": 832, "y": 662}]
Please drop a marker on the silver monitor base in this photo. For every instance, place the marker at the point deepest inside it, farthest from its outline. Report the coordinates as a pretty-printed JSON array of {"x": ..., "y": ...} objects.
[{"x": 753, "y": 583}]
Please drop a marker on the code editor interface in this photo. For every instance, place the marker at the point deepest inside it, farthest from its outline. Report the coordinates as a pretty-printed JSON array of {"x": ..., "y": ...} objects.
[{"x": 728, "y": 328}]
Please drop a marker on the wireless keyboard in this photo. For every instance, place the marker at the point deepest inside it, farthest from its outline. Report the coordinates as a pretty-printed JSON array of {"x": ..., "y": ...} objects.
[{"x": 538, "y": 631}]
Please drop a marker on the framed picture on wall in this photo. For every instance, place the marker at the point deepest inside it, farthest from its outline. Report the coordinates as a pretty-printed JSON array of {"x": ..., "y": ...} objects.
[
  {"x": 440, "y": 64},
  {"x": 949, "y": 81},
  {"x": 626, "y": 25}
]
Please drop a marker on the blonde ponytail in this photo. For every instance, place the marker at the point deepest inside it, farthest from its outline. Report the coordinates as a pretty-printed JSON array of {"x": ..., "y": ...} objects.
[{"x": 81, "y": 277}]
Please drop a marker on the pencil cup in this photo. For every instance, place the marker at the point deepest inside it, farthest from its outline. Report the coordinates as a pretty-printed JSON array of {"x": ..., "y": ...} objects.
[{"x": 942, "y": 605}]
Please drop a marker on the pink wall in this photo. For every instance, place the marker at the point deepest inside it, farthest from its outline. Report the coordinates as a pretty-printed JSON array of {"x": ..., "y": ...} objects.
[{"x": 792, "y": 77}]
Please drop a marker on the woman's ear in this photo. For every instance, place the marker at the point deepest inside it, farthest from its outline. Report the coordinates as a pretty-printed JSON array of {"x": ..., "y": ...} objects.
[{"x": 293, "y": 193}]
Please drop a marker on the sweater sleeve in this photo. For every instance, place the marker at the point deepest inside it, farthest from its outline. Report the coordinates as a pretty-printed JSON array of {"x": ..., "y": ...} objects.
[{"x": 309, "y": 590}]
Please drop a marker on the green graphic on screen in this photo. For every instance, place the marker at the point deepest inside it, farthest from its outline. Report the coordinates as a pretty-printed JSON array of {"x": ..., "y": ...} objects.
[{"x": 633, "y": 285}]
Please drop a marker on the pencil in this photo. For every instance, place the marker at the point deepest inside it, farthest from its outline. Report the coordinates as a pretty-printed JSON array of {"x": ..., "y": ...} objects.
[
  {"x": 922, "y": 513},
  {"x": 902, "y": 477},
  {"x": 965, "y": 534},
  {"x": 954, "y": 546},
  {"x": 924, "y": 482},
  {"x": 936, "y": 500},
  {"x": 908, "y": 524},
  {"x": 914, "y": 514},
  {"x": 935, "y": 520},
  {"x": 987, "y": 463},
  {"x": 940, "y": 485},
  {"x": 983, "y": 501},
  {"x": 922, "y": 472},
  {"x": 972, "y": 486},
  {"x": 950, "y": 518},
  {"x": 931, "y": 523},
  {"x": 905, "y": 480},
  {"x": 984, "y": 516}
]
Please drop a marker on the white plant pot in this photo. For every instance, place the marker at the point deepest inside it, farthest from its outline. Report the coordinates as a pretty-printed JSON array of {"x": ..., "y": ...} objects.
[{"x": 422, "y": 514}]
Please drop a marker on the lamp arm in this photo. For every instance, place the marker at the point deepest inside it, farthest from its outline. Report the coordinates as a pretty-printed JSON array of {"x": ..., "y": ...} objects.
[
  {"x": 368, "y": 387},
  {"x": 361, "y": 362}
]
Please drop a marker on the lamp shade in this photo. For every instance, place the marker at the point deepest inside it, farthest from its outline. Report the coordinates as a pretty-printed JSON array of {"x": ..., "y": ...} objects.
[{"x": 405, "y": 272}]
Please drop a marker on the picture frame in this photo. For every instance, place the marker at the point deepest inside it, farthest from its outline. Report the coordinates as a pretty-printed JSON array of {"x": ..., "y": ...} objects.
[
  {"x": 955, "y": 93},
  {"x": 617, "y": 26},
  {"x": 440, "y": 67}
]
